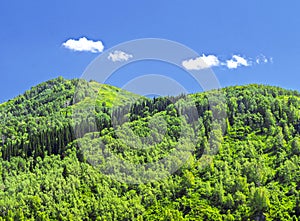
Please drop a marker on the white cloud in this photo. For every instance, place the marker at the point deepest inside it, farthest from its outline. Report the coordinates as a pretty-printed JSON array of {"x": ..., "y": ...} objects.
[
  {"x": 237, "y": 61},
  {"x": 83, "y": 44},
  {"x": 208, "y": 61},
  {"x": 262, "y": 59},
  {"x": 231, "y": 64},
  {"x": 119, "y": 56},
  {"x": 202, "y": 62}
]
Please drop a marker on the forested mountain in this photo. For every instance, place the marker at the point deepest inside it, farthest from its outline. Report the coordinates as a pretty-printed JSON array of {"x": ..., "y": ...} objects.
[{"x": 244, "y": 163}]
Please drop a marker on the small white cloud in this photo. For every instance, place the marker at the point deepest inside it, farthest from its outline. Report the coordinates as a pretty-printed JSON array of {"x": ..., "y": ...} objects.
[
  {"x": 119, "y": 56},
  {"x": 237, "y": 61},
  {"x": 83, "y": 44},
  {"x": 262, "y": 59},
  {"x": 202, "y": 62}
]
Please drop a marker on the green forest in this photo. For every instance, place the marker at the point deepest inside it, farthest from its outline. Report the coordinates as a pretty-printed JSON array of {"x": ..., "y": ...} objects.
[{"x": 77, "y": 150}]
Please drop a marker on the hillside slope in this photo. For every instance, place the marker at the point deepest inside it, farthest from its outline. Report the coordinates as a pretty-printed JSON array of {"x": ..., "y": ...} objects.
[{"x": 244, "y": 162}]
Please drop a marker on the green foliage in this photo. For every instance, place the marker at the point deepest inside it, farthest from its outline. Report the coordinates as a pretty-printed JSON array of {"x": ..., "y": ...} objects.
[{"x": 244, "y": 164}]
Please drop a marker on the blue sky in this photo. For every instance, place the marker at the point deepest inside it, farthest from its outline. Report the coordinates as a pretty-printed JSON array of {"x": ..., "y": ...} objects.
[{"x": 33, "y": 32}]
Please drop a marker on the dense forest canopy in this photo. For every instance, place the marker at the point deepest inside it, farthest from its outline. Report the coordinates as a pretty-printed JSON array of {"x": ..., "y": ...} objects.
[{"x": 75, "y": 150}]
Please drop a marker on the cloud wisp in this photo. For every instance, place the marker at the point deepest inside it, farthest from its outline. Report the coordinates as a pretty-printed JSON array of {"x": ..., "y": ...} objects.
[
  {"x": 119, "y": 56},
  {"x": 83, "y": 44},
  {"x": 236, "y": 61},
  {"x": 262, "y": 59}
]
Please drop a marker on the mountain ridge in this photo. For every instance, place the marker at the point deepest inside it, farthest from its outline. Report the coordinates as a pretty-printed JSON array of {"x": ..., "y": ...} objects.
[{"x": 244, "y": 162}]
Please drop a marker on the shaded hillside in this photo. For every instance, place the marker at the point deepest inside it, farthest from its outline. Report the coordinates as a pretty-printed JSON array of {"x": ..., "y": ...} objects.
[
  {"x": 40, "y": 120},
  {"x": 244, "y": 165}
]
